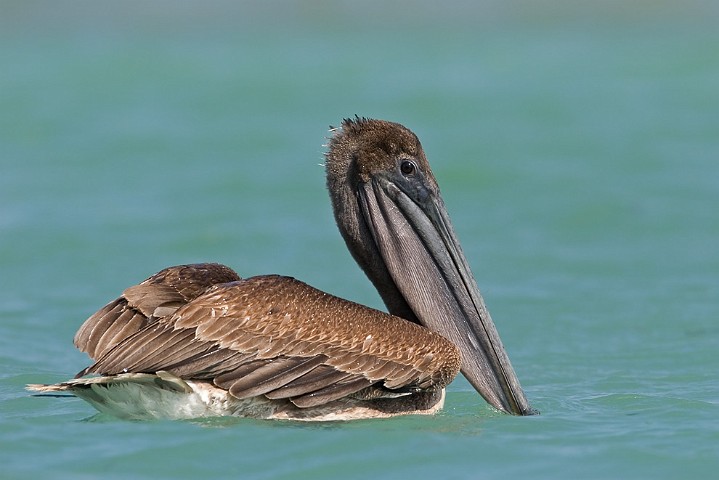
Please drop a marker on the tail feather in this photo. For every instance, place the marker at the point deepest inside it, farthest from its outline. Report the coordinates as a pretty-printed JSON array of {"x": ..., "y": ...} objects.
[
  {"x": 46, "y": 388},
  {"x": 162, "y": 380}
]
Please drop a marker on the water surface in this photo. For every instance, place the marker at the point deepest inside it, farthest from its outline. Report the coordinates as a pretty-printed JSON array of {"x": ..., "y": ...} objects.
[{"x": 576, "y": 147}]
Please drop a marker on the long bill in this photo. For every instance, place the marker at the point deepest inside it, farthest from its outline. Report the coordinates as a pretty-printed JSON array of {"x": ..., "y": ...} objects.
[{"x": 423, "y": 256}]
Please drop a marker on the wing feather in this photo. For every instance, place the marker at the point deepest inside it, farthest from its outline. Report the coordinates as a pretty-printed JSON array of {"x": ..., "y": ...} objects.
[
  {"x": 310, "y": 382},
  {"x": 273, "y": 375},
  {"x": 332, "y": 392},
  {"x": 278, "y": 337},
  {"x": 210, "y": 364},
  {"x": 127, "y": 323},
  {"x": 227, "y": 378},
  {"x": 156, "y": 297}
]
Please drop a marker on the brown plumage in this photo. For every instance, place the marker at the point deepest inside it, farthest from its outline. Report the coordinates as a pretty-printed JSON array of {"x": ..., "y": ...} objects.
[
  {"x": 157, "y": 297},
  {"x": 266, "y": 335},
  {"x": 274, "y": 347}
]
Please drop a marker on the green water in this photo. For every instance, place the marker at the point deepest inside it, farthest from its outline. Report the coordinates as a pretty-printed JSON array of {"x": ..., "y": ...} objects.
[{"x": 577, "y": 147}]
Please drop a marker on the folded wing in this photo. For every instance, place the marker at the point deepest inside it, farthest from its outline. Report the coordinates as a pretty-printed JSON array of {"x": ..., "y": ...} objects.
[
  {"x": 158, "y": 296},
  {"x": 268, "y": 335}
]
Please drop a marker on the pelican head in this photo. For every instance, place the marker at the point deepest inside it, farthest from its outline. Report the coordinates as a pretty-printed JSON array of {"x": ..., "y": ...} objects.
[{"x": 388, "y": 207}]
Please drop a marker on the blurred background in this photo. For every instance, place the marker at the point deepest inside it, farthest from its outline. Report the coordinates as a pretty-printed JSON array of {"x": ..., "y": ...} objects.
[{"x": 577, "y": 148}]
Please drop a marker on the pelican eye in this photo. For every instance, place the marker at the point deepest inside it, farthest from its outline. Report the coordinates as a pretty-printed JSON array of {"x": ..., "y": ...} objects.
[{"x": 407, "y": 167}]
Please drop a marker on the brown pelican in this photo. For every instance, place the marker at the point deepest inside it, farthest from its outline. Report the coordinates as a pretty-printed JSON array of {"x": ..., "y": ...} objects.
[{"x": 197, "y": 340}]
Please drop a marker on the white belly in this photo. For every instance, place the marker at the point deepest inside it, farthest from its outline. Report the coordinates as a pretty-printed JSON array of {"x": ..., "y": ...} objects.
[{"x": 140, "y": 396}]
